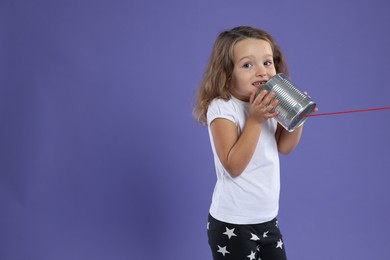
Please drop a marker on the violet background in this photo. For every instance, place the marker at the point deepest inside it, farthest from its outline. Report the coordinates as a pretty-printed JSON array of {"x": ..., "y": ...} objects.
[{"x": 100, "y": 157}]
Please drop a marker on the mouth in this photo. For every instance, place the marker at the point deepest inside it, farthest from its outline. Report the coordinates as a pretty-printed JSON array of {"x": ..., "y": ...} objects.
[{"x": 259, "y": 84}]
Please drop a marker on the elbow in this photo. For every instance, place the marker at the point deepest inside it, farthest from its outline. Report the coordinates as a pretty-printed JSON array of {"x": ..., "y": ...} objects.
[
  {"x": 285, "y": 150},
  {"x": 234, "y": 172},
  {"x": 233, "y": 167}
]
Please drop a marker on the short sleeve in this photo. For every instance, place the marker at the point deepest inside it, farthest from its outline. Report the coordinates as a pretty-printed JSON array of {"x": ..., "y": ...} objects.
[{"x": 220, "y": 108}]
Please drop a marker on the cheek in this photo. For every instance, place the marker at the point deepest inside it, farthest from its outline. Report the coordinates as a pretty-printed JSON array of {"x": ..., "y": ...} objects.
[
  {"x": 238, "y": 81},
  {"x": 234, "y": 79},
  {"x": 272, "y": 72}
]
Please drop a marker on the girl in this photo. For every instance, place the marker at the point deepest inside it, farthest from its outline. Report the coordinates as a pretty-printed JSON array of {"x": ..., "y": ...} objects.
[{"x": 245, "y": 140}]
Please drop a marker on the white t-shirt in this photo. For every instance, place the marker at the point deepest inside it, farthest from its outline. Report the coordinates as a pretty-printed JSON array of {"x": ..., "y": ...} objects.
[{"x": 252, "y": 197}]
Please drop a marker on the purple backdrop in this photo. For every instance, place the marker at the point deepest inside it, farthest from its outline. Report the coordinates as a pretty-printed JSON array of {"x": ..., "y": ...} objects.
[{"x": 100, "y": 157}]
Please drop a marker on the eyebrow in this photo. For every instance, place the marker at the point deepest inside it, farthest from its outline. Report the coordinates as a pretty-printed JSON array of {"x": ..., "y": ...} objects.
[{"x": 251, "y": 56}]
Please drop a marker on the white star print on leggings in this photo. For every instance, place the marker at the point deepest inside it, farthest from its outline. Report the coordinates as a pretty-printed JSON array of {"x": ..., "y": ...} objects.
[{"x": 254, "y": 242}]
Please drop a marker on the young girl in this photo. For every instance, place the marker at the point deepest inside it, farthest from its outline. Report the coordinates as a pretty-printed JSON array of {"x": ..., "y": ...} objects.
[{"x": 245, "y": 139}]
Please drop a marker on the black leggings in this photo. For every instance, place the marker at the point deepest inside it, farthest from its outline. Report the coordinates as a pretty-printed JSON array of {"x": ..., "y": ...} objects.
[{"x": 242, "y": 242}]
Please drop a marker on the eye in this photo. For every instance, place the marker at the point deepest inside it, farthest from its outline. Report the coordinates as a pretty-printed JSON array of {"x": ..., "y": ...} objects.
[
  {"x": 268, "y": 63},
  {"x": 247, "y": 65}
]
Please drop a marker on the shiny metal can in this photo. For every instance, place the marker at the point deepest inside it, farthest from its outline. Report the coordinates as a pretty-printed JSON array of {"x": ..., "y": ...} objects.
[{"x": 294, "y": 105}]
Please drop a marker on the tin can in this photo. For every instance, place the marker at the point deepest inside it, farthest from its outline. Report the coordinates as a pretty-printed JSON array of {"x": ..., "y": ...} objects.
[{"x": 294, "y": 105}]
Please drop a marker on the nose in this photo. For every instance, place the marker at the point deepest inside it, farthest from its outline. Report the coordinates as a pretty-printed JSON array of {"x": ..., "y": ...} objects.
[{"x": 261, "y": 71}]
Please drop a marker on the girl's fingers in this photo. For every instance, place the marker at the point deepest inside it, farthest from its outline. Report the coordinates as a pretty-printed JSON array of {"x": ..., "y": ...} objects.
[
  {"x": 252, "y": 97},
  {"x": 274, "y": 104},
  {"x": 265, "y": 98},
  {"x": 265, "y": 102},
  {"x": 260, "y": 96},
  {"x": 268, "y": 100}
]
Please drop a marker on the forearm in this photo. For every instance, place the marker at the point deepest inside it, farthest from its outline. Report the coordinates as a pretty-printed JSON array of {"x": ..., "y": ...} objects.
[
  {"x": 241, "y": 153},
  {"x": 287, "y": 141}
]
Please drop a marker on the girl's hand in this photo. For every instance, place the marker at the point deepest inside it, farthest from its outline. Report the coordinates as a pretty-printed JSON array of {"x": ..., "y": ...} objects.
[{"x": 262, "y": 106}]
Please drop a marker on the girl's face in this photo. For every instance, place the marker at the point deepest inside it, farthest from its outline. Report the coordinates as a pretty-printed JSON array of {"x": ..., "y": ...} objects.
[{"x": 253, "y": 66}]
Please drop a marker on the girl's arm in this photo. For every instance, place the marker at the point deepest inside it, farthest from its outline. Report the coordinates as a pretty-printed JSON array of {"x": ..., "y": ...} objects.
[
  {"x": 233, "y": 150},
  {"x": 287, "y": 141}
]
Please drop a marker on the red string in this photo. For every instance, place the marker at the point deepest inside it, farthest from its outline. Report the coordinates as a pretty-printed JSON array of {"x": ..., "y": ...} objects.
[{"x": 350, "y": 111}]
